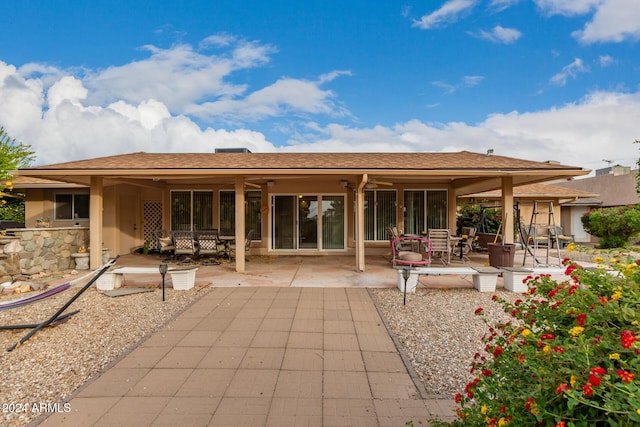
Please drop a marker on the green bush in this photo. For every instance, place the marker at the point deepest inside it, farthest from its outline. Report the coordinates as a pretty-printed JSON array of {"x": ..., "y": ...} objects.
[
  {"x": 614, "y": 226},
  {"x": 569, "y": 357},
  {"x": 483, "y": 219}
]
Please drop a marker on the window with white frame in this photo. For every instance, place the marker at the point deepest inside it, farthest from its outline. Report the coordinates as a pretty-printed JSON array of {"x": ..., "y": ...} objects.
[{"x": 71, "y": 206}]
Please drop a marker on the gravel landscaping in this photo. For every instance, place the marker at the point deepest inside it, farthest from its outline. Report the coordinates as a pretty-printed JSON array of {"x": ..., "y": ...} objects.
[
  {"x": 57, "y": 360},
  {"x": 439, "y": 332}
]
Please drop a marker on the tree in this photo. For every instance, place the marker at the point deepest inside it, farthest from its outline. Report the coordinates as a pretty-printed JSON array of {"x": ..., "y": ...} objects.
[{"x": 13, "y": 155}]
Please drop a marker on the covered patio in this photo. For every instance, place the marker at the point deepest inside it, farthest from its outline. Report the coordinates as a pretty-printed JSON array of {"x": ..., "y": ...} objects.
[{"x": 297, "y": 204}]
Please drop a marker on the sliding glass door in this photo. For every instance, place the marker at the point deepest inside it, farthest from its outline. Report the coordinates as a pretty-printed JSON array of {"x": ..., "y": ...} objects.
[{"x": 308, "y": 222}]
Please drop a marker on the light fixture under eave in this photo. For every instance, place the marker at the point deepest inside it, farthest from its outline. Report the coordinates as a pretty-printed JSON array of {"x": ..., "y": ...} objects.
[
  {"x": 271, "y": 184},
  {"x": 344, "y": 183}
]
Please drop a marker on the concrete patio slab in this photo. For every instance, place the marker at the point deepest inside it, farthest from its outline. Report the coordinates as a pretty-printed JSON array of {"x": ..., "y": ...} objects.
[{"x": 301, "y": 358}]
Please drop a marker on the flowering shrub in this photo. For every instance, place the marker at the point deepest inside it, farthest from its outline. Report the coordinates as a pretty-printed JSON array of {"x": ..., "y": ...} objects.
[
  {"x": 614, "y": 226},
  {"x": 569, "y": 357}
]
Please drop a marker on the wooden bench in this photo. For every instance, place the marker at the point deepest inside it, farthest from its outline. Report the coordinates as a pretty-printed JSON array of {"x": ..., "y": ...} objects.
[
  {"x": 181, "y": 278},
  {"x": 484, "y": 278}
]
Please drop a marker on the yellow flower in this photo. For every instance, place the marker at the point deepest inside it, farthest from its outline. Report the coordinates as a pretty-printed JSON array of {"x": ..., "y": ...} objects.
[
  {"x": 614, "y": 356},
  {"x": 483, "y": 410},
  {"x": 502, "y": 422},
  {"x": 638, "y": 411},
  {"x": 572, "y": 381},
  {"x": 616, "y": 295},
  {"x": 635, "y": 322},
  {"x": 546, "y": 349},
  {"x": 9, "y": 185},
  {"x": 535, "y": 411},
  {"x": 526, "y": 333},
  {"x": 576, "y": 330},
  {"x": 570, "y": 247},
  {"x": 631, "y": 266},
  {"x": 612, "y": 260},
  {"x": 598, "y": 259}
]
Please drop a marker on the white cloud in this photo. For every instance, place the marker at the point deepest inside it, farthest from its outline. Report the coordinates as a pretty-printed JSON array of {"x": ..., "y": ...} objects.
[
  {"x": 500, "y": 5},
  {"x": 499, "y": 34},
  {"x": 571, "y": 70},
  {"x": 612, "y": 21},
  {"x": 466, "y": 82},
  {"x": 575, "y": 134},
  {"x": 567, "y": 7},
  {"x": 449, "y": 12},
  {"x": 285, "y": 96},
  {"x": 606, "y": 60}
]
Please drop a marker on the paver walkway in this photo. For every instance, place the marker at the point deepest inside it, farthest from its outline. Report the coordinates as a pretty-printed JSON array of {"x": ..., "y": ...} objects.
[{"x": 261, "y": 356}]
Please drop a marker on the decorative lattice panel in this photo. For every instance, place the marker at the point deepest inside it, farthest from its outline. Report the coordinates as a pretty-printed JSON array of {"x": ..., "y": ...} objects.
[{"x": 152, "y": 218}]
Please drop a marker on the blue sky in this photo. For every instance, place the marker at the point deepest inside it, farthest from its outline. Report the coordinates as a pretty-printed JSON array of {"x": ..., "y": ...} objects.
[{"x": 538, "y": 79}]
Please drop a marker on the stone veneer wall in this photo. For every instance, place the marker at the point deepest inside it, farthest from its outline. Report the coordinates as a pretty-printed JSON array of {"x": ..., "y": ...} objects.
[{"x": 40, "y": 250}]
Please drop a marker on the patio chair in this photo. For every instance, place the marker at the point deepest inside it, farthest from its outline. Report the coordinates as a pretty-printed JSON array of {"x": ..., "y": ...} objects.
[
  {"x": 184, "y": 243},
  {"x": 208, "y": 244},
  {"x": 164, "y": 242},
  {"x": 392, "y": 234},
  {"x": 441, "y": 244},
  {"x": 420, "y": 255},
  {"x": 247, "y": 245},
  {"x": 470, "y": 233}
]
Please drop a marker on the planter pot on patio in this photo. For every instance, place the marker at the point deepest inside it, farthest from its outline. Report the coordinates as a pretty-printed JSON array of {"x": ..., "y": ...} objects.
[
  {"x": 486, "y": 279},
  {"x": 412, "y": 282},
  {"x": 183, "y": 279},
  {"x": 513, "y": 277}
]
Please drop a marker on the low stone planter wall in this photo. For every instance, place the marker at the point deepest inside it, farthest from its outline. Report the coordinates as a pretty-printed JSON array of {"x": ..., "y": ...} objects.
[{"x": 32, "y": 251}]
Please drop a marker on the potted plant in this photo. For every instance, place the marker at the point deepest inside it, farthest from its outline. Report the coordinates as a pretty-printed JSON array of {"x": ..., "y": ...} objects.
[{"x": 43, "y": 222}]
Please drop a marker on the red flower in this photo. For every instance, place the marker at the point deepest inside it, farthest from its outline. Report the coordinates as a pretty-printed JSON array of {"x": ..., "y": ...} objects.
[
  {"x": 627, "y": 338},
  {"x": 572, "y": 289},
  {"x": 497, "y": 351},
  {"x": 570, "y": 269},
  {"x": 587, "y": 390},
  {"x": 478, "y": 310},
  {"x": 549, "y": 337},
  {"x": 560, "y": 424},
  {"x": 598, "y": 371},
  {"x": 562, "y": 387},
  {"x": 521, "y": 358},
  {"x": 552, "y": 293},
  {"x": 558, "y": 349},
  {"x": 581, "y": 318},
  {"x": 487, "y": 373},
  {"x": 529, "y": 403},
  {"x": 594, "y": 380},
  {"x": 458, "y": 397},
  {"x": 565, "y": 261},
  {"x": 625, "y": 376}
]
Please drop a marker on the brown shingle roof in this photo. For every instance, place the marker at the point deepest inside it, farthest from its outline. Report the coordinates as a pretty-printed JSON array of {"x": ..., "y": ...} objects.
[
  {"x": 464, "y": 160},
  {"x": 539, "y": 191}
]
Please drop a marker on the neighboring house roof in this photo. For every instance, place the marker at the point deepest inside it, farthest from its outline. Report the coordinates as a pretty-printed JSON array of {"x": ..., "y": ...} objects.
[
  {"x": 31, "y": 182},
  {"x": 467, "y": 171},
  {"x": 614, "y": 190},
  {"x": 537, "y": 191}
]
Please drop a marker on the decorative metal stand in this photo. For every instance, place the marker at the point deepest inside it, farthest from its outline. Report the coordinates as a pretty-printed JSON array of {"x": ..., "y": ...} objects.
[
  {"x": 163, "y": 271},
  {"x": 406, "y": 272}
]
